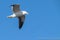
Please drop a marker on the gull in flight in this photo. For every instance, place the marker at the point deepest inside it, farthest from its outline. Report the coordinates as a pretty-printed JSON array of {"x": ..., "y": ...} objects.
[{"x": 19, "y": 14}]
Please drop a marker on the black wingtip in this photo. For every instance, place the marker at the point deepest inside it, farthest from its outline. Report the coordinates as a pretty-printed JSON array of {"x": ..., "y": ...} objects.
[
  {"x": 15, "y": 4},
  {"x": 20, "y": 27},
  {"x": 21, "y": 24},
  {"x": 21, "y": 21},
  {"x": 12, "y": 5}
]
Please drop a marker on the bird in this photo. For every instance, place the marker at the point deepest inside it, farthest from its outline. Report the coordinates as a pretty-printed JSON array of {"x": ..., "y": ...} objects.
[{"x": 17, "y": 13}]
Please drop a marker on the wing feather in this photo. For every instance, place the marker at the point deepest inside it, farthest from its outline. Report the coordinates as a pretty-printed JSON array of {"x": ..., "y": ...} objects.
[{"x": 21, "y": 21}]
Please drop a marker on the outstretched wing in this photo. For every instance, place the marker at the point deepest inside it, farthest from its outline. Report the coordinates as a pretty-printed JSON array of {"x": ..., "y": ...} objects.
[
  {"x": 15, "y": 8},
  {"x": 21, "y": 21}
]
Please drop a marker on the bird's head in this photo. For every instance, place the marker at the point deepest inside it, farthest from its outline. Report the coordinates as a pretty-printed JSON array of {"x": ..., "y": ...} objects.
[{"x": 25, "y": 12}]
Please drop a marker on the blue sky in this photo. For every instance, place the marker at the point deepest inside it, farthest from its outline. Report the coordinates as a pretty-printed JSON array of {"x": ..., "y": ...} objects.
[{"x": 42, "y": 22}]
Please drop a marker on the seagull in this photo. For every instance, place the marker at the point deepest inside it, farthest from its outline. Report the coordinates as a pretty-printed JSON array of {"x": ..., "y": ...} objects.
[{"x": 18, "y": 13}]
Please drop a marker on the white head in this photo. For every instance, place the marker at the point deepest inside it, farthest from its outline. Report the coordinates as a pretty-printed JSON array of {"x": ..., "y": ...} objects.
[{"x": 24, "y": 12}]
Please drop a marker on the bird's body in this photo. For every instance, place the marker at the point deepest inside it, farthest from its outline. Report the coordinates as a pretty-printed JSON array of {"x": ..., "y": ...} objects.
[{"x": 19, "y": 14}]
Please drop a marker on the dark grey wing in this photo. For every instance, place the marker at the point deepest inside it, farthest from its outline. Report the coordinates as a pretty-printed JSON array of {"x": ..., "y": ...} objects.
[
  {"x": 16, "y": 8},
  {"x": 21, "y": 21}
]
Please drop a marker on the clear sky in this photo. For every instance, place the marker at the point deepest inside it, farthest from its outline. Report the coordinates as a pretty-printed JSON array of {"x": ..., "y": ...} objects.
[{"x": 42, "y": 22}]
